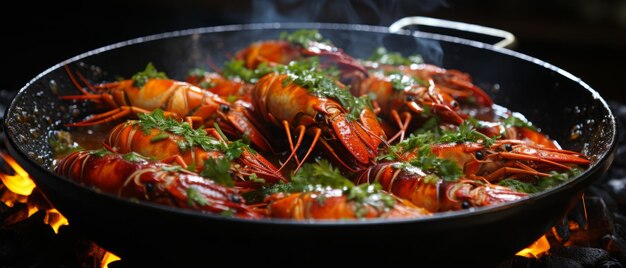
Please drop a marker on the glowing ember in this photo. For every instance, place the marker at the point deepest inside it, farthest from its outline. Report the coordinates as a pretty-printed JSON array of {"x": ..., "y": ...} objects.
[
  {"x": 108, "y": 258},
  {"x": 536, "y": 249}
]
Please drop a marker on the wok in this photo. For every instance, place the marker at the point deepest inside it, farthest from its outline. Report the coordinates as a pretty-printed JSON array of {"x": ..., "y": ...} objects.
[{"x": 550, "y": 97}]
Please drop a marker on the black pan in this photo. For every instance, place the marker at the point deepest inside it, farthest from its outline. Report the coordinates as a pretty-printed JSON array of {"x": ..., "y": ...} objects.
[{"x": 551, "y": 98}]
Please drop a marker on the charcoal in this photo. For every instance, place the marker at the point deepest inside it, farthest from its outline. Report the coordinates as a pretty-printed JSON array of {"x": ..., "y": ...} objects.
[
  {"x": 9, "y": 216},
  {"x": 25, "y": 240},
  {"x": 70, "y": 248},
  {"x": 551, "y": 261},
  {"x": 561, "y": 230},
  {"x": 517, "y": 262},
  {"x": 600, "y": 224},
  {"x": 610, "y": 263},
  {"x": 601, "y": 192},
  {"x": 619, "y": 218},
  {"x": 585, "y": 256},
  {"x": 616, "y": 246}
]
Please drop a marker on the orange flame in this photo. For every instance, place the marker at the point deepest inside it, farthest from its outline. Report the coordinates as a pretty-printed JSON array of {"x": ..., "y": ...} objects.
[
  {"x": 536, "y": 249},
  {"x": 22, "y": 186},
  {"x": 20, "y": 183},
  {"x": 108, "y": 258}
]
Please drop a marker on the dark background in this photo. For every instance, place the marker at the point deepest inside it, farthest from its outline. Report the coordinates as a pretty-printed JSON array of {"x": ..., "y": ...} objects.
[{"x": 584, "y": 37}]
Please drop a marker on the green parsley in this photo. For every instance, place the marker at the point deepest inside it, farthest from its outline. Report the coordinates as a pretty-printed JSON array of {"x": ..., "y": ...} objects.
[
  {"x": 192, "y": 137},
  {"x": 541, "y": 184},
  {"x": 141, "y": 78},
  {"x": 100, "y": 152},
  {"x": 517, "y": 121},
  {"x": 466, "y": 132},
  {"x": 218, "y": 170},
  {"x": 172, "y": 168},
  {"x": 133, "y": 157},
  {"x": 195, "y": 198},
  {"x": 431, "y": 164},
  {"x": 413, "y": 142},
  {"x": 237, "y": 69},
  {"x": 322, "y": 176},
  {"x": 319, "y": 84},
  {"x": 304, "y": 37},
  {"x": 197, "y": 72},
  {"x": 62, "y": 143},
  {"x": 381, "y": 55},
  {"x": 404, "y": 82}
]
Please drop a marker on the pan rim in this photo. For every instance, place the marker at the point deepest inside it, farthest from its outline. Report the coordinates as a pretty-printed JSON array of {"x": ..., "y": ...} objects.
[{"x": 440, "y": 216}]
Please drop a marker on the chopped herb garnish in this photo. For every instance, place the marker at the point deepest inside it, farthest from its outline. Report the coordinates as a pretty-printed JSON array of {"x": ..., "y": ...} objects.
[
  {"x": 195, "y": 198},
  {"x": 62, "y": 144},
  {"x": 542, "y": 183},
  {"x": 304, "y": 37},
  {"x": 141, "y": 78},
  {"x": 322, "y": 176},
  {"x": 520, "y": 186},
  {"x": 431, "y": 164},
  {"x": 466, "y": 133},
  {"x": 254, "y": 178},
  {"x": 218, "y": 170},
  {"x": 192, "y": 137},
  {"x": 237, "y": 69},
  {"x": 100, "y": 152},
  {"x": 319, "y": 84},
  {"x": 518, "y": 121},
  {"x": 413, "y": 142},
  {"x": 383, "y": 56},
  {"x": 133, "y": 157},
  {"x": 196, "y": 72},
  {"x": 172, "y": 168},
  {"x": 405, "y": 82},
  {"x": 160, "y": 136}
]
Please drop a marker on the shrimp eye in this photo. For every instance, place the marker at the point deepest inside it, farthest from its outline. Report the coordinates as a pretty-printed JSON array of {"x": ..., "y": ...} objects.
[
  {"x": 235, "y": 199},
  {"x": 480, "y": 155},
  {"x": 410, "y": 98},
  {"x": 508, "y": 147},
  {"x": 465, "y": 205},
  {"x": 224, "y": 108},
  {"x": 149, "y": 187},
  {"x": 454, "y": 104},
  {"x": 319, "y": 117}
]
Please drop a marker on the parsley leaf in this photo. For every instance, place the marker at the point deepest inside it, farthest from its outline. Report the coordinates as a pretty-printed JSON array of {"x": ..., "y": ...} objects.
[
  {"x": 218, "y": 170},
  {"x": 237, "y": 69},
  {"x": 541, "y": 184},
  {"x": 133, "y": 157},
  {"x": 193, "y": 137},
  {"x": 141, "y": 78},
  {"x": 466, "y": 132},
  {"x": 194, "y": 197},
  {"x": 318, "y": 83},
  {"x": 322, "y": 176},
  {"x": 518, "y": 121},
  {"x": 100, "y": 152},
  {"x": 381, "y": 55},
  {"x": 304, "y": 37},
  {"x": 431, "y": 164}
]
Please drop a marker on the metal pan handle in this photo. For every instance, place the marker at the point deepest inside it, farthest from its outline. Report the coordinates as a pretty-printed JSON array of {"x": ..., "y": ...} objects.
[{"x": 508, "y": 39}]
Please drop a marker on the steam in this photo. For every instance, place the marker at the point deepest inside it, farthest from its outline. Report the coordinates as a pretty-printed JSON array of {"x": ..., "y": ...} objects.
[
  {"x": 372, "y": 12},
  {"x": 369, "y": 12}
]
